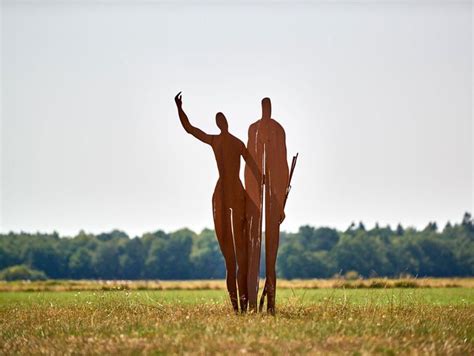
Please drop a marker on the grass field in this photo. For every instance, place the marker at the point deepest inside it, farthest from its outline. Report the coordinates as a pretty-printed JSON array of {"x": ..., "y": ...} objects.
[{"x": 319, "y": 321}]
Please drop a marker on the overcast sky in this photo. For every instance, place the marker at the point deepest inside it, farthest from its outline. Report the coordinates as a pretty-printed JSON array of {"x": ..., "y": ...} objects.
[{"x": 376, "y": 98}]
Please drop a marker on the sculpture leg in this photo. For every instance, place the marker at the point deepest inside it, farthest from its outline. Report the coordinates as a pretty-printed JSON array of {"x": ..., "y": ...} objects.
[
  {"x": 240, "y": 239},
  {"x": 222, "y": 224},
  {"x": 272, "y": 238},
  {"x": 254, "y": 234},
  {"x": 231, "y": 276}
]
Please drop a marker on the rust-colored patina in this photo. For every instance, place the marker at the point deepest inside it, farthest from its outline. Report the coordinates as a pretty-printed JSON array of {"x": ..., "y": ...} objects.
[
  {"x": 270, "y": 180},
  {"x": 228, "y": 203},
  {"x": 238, "y": 213}
]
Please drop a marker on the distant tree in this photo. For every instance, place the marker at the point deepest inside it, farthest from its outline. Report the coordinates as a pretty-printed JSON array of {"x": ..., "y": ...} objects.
[
  {"x": 362, "y": 253},
  {"x": 400, "y": 230},
  {"x": 43, "y": 255},
  {"x": 294, "y": 262},
  {"x": 325, "y": 238},
  {"x": 80, "y": 264},
  {"x": 304, "y": 254},
  {"x": 106, "y": 261},
  {"x": 309, "y": 253},
  {"x": 21, "y": 272},
  {"x": 148, "y": 238},
  {"x": 432, "y": 226},
  {"x": 447, "y": 227},
  {"x": 4, "y": 258},
  {"x": 206, "y": 257},
  {"x": 350, "y": 228},
  {"x": 169, "y": 256},
  {"x": 113, "y": 235},
  {"x": 467, "y": 222},
  {"x": 132, "y": 259}
]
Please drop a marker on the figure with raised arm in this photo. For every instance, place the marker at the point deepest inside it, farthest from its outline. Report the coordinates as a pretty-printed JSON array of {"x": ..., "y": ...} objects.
[
  {"x": 270, "y": 181},
  {"x": 228, "y": 203}
]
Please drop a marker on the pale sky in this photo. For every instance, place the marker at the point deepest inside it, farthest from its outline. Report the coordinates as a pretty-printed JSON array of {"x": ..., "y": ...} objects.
[{"x": 376, "y": 98}]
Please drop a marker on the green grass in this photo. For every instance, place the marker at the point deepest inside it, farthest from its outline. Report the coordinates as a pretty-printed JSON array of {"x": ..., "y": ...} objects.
[{"x": 318, "y": 321}]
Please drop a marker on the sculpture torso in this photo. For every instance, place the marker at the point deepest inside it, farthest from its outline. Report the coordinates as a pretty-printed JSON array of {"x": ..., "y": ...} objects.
[
  {"x": 227, "y": 151},
  {"x": 266, "y": 145}
]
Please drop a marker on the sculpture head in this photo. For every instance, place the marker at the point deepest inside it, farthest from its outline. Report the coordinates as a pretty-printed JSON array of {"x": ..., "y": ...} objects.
[
  {"x": 221, "y": 122},
  {"x": 266, "y": 108}
]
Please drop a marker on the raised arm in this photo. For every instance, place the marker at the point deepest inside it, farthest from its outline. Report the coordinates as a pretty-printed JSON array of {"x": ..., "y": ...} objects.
[{"x": 199, "y": 134}]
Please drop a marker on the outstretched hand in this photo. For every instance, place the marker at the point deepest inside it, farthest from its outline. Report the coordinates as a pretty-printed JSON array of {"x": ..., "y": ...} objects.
[{"x": 177, "y": 100}]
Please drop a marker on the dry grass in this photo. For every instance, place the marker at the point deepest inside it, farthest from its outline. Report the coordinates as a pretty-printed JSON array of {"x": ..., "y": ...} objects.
[
  {"x": 93, "y": 285},
  {"x": 325, "y": 321}
]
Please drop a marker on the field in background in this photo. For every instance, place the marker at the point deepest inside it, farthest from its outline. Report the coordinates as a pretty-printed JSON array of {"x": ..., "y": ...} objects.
[
  {"x": 175, "y": 320},
  {"x": 91, "y": 285}
]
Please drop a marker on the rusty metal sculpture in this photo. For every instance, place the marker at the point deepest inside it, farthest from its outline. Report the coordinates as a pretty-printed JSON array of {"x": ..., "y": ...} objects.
[
  {"x": 228, "y": 202},
  {"x": 267, "y": 149},
  {"x": 238, "y": 213}
]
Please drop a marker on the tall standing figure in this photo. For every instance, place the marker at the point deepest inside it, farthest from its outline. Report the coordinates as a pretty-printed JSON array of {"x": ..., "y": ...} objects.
[
  {"x": 267, "y": 150},
  {"x": 228, "y": 202}
]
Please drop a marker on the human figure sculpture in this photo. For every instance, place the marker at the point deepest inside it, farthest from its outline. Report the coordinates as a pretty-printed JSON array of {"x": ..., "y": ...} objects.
[
  {"x": 228, "y": 203},
  {"x": 267, "y": 150}
]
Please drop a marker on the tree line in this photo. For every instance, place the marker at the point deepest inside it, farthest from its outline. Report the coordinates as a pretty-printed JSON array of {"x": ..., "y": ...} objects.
[{"x": 309, "y": 253}]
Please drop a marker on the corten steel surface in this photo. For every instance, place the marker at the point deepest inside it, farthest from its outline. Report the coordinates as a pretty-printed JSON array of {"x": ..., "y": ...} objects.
[
  {"x": 228, "y": 202},
  {"x": 266, "y": 175},
  {"x": 238, "y": 213}
]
